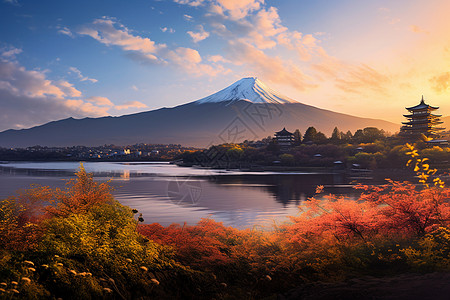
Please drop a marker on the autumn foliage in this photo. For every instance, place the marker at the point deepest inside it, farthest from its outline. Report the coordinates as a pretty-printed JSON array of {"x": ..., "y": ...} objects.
[{"x": 390, "y": 229}]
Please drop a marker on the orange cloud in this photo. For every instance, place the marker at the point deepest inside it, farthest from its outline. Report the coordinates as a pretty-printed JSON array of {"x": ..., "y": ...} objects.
[
  {"x": 440, "y": 83},
  {"x": 198, "y": 36},
  {"x": 273, "y": 69},
  {"x": 100, "y": 101},
  {"x": 130, "y": 104}
]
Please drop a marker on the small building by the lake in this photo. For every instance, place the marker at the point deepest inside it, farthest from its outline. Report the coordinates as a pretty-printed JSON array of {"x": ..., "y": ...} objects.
[{"x": 284, "y": 139}]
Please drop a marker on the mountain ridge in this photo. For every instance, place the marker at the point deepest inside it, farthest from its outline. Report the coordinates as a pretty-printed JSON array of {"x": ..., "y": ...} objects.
[
  {"x": 248, "y": 88},
  {"x": 195, "y": 123}
]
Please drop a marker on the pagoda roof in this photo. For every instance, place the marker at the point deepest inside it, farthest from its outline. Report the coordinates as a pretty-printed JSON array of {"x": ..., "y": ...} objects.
[
  {"x": 422, "y": 105},
  {"x": 425, "y": 115},
  {"x": 284, "y": 132},
  {"x": 422, "y": 123}
]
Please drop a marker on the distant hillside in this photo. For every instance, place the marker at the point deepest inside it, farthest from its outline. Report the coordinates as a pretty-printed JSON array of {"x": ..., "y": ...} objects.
[{"x": 254, "y": 112}]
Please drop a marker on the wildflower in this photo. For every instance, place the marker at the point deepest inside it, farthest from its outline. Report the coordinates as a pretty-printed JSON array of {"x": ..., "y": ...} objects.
[
  {"x": 29, "y": 262},
  {"x": 56, "y": 256},
  {"x": 112, "y": 280},
  {"x": 107, "y": 290},
  {"x": 73, "y": 272},
  {"x": 223, "y": 284},
  {"x": 154, "y": 281},
  {"x": 3, "y": 284},
  {"x": 128, "y": 260},
  {"x": 2, "y": 290},
  {"x": 15, "y": 291},
  {"x": 45, "y": 266},
  {"x": 268, "y": 278},
  {"x": 89, "y": 274},
  {"x": 32, "y": 269},
  {"x": 145, "y": 269},
  {"x": 14, "y": 283},
  {"x": 59, "y": 264},
  {"x": 26, "y": 279}
]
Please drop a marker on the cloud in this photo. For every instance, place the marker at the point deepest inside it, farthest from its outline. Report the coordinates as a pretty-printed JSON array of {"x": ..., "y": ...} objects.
[
  {"x": 10, "y": 52},
  {"x": 416, "y": 29},
  {"x": 135, "y": 88},
  {"x": 100, "y": 101},
  {"x": 235, "y": 9},
  {"x": 362, "y": 78},
  {"x": 65, "y": 31},
  {"x": 441, "y": 82},
  {"x": 80, "y": 76},
  {"x": 198, "y": 36},
  {"x": 218, "y": 58},
  {"x": 188, "y": 17},
  {"x": 147, "y": 51},
  {"x": 104, "y": 31},
  {"x": 190, "y": 2},
  {"x": 271, "y": 68},
  {"x": 130, "y": 104},
  {"x": 29, "y": 98},
  {"x": 169, "y": 30},
  {"x": 12, "y": 2}
]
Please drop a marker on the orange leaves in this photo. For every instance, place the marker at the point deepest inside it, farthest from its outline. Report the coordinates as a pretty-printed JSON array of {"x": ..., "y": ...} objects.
[{"x": 79, "y": 196}]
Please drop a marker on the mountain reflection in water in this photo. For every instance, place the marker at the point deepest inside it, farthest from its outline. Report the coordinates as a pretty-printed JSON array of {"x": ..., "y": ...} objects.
[{"x": 169, "y": 194}]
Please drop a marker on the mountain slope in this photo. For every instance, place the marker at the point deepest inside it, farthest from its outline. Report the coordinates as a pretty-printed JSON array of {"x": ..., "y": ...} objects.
[
  {"x": 198, "y": 123},
  {"x": 250, "y": 89}
]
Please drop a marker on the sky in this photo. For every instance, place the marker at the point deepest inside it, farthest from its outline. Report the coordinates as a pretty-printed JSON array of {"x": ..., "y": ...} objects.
[{"x": 87, "y": 58}]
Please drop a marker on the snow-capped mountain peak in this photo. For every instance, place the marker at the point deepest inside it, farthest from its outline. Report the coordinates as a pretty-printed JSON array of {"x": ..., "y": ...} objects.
[{"x": 250, "y": 89}]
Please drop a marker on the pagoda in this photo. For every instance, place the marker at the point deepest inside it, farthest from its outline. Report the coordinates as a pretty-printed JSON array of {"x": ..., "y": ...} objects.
[
  {"x": 284, "y": 138},
  {"x": 421, "y": 120}
]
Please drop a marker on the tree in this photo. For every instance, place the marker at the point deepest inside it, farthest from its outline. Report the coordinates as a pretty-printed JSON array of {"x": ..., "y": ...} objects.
[
  {"x": 336, "y": 136},
  {"x": 310, "y": 134},
  {"x": 320, "y": 138},
  {"x": 297, "y": 138},
  {"x": 358, "y": 137},
  {"x": 347, "y": 137}
]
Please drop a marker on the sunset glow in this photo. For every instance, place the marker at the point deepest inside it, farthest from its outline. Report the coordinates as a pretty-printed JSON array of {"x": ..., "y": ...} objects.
[{"x": 77, "y": 59}]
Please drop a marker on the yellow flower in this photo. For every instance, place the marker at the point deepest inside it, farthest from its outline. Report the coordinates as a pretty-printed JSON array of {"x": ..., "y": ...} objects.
[{"x": 26, "y": 279}]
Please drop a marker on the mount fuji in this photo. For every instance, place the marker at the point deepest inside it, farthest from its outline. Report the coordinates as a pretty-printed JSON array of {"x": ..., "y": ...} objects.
[
  {"x": 245, "y": 110},
  {"x": 250, "y": 89}
]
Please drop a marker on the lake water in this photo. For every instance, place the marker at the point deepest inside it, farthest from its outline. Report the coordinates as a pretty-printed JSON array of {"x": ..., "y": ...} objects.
[{"x": 167, "y": 194}]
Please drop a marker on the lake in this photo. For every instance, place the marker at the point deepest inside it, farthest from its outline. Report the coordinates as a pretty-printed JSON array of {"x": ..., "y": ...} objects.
[{"x": 167, "y": 194}]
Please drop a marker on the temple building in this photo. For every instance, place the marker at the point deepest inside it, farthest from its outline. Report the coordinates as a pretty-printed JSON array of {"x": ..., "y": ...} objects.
[
  {"x": 421, "y": 120},
  {"x": 284, "y": 139}
]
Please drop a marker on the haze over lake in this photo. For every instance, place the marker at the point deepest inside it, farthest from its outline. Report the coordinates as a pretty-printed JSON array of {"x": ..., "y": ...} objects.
[{"x": 167, "y": 194}]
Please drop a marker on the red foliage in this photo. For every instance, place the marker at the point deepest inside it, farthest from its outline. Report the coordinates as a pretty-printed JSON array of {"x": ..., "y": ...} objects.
[
  {"x": 81, "y": 194},
  {"x": 395, "y": 209},
  {"x": 207, "y": 243}
]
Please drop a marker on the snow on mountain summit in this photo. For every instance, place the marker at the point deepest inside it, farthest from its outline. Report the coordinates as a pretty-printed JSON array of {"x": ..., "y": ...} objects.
[{"x": 249, "y": 89}]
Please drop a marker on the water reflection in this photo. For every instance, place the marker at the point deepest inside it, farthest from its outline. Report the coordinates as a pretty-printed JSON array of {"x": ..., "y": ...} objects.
[
  {"x": 169, "y": 194},
  {"x": 286, "y": 188}
]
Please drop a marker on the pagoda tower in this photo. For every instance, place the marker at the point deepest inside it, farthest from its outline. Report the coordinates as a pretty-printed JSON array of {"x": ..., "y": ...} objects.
[
  {"x": 421, "y": 120},
  {"x": 284, "y": 139}
]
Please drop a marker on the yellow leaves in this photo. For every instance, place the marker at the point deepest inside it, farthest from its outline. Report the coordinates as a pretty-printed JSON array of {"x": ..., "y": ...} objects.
[
  {"x": 412, "y": 153},
  {"x": 422, "y": 168}
]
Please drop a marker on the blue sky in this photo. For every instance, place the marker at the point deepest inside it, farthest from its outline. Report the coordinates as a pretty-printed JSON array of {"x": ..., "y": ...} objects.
[{"x": 93, "y": 58}]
